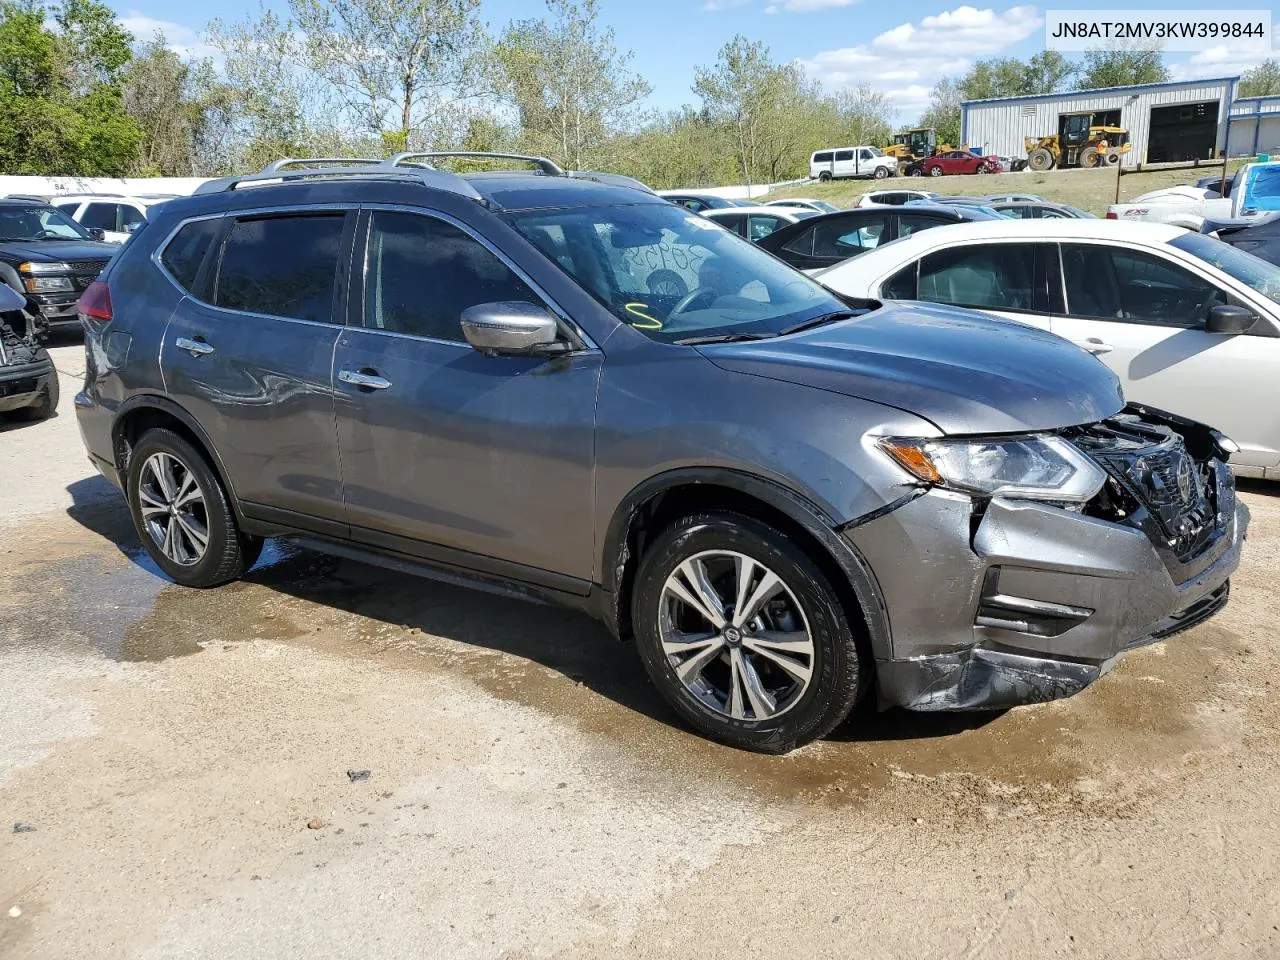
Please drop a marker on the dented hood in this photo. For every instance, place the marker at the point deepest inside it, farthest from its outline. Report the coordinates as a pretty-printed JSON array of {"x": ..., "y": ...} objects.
[{"x": 964, "y": 371}]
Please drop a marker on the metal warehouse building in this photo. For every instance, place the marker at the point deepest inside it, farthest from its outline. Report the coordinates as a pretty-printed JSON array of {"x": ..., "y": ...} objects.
[
  {"x": 1254, "y": 126},
  {"x": 1166, "y": 121}
]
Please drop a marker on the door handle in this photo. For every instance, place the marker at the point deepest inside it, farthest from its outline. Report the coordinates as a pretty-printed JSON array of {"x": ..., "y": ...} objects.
[
  {"x": 1094, "y": 345},
  {"x": 197, "y": 348},
  {"x": 364, "y": 380}
]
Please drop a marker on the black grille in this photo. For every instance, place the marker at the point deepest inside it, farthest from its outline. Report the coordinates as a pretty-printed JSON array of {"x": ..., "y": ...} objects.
[
  {"x": 93, "y": 267},
  {"x": 82, "y": 282},
  {"x": 1157, "y": 483}
]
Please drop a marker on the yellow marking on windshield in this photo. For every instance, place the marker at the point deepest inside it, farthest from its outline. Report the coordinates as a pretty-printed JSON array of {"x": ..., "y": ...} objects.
[{"x": 638, "y": 310}]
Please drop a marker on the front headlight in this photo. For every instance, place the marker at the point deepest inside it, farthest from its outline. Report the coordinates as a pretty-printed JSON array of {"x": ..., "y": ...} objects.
[
  {"x": 1036, "y": 468},
  {"x": 37, "y": 269},
  {"x": 47, "y": 284}
]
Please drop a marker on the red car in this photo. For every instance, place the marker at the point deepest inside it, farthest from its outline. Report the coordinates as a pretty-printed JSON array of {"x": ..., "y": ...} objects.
[{"x": 957, "y": 162}]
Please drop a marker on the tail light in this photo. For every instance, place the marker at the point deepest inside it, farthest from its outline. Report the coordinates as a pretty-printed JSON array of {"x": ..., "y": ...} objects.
[
  {"x": 95, "y": 302},
  {"x": 1112, "y": 215}
]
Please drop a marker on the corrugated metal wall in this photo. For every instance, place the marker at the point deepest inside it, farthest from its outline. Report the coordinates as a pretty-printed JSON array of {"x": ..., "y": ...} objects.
[
  {"x": 999, "y": 126},
  {"x": 1255, "y": 126}
]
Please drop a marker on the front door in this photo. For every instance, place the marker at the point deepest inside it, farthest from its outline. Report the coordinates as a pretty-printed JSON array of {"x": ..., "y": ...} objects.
[
  {"x": 453, "y": 455},
  {"x": 248, "y": 353},
  {"x": 1144, "y": 317}
]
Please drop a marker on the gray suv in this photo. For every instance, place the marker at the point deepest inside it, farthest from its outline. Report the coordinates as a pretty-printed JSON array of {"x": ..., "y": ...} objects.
[{"x": 786, "y": 499}]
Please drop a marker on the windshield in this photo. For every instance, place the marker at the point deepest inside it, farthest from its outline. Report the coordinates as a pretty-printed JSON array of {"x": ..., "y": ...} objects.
[
  {"x": 1262, "y": 276},
  {"x": 674, "y": 275},
  {"x": 825, "y": 207},
  {"x": 875, "y": 151},
  {"x": 39, "y": 223}
]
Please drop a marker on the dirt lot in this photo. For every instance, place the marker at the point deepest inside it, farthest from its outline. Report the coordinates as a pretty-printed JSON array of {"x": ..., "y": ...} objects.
[
  {"x": 163, "y": 751},
  {"x": 1091, "y": 190}
]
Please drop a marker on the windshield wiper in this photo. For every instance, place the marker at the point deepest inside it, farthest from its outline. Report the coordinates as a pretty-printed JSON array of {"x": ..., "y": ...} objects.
[
  {"x": 819, "y": 321},
  {"x": 724, "y": 338}
]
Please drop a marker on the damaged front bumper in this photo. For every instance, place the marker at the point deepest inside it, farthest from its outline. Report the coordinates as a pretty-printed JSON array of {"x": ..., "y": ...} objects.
[{"x": 1006, "y": 602}]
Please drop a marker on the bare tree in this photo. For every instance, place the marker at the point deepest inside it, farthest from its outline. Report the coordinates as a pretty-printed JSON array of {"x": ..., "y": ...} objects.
[
  {"x": 568, "y": 83},
  {"x": 397, "y": 65}
]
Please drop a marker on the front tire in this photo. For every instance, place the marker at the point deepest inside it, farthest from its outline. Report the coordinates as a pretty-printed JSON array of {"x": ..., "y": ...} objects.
[
  {"x": 182, "y": 513},
  {"x": 743, "y": 633},
  {"x": 881, "y": 173}
]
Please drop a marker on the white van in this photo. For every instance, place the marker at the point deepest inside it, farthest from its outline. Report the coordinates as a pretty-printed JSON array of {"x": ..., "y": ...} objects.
[{"x": 851, "y": 162}]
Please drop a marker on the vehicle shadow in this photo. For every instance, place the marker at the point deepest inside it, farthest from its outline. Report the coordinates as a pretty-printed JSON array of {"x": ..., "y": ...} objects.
[
  {"x": 1268, "y": 488},
  {"x": 566, "y": 641}
]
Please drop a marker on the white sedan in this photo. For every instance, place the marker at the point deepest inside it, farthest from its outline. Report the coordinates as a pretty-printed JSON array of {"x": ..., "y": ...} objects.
[
  {"x": 804, "y": 203},
  {"x": 1188, "y": 323}
]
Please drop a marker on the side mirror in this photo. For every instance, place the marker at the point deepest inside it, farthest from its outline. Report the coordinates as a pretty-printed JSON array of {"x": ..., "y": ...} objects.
[
  {"x": 1228, "y": 319},
  {"x": 509, "y": 327},
  {"x": 97, "y": 233}
]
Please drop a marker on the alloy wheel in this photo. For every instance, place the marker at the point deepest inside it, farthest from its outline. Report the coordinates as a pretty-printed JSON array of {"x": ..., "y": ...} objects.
[
  {"x": 173, "y": 509},
  {"x": 735, "y": 635}
]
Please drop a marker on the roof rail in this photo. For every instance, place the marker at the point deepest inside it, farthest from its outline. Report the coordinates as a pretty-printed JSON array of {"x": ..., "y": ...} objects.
[
  {"x": 379, "y": 170},
  {"x": 547, "y": 167},
  {"x": 287, "y": 162}
]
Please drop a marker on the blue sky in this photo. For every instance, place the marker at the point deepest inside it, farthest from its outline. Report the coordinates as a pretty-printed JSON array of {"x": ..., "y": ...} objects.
[{"x": 902, "y": 48}]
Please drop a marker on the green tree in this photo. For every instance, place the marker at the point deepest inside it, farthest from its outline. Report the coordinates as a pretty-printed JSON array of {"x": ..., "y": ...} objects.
[
  {"x": 571, "y": 88},
  {"x": 1121, "y": 65},
  {"x": 943, "y": 112},
  {"x": 61, "y": 110},
  {"x": 161, "y": 93},
  {"x": 1049, "y": 72},
  {"x": 863, "y": 115},
  {"x": 1262, "y": 81}
]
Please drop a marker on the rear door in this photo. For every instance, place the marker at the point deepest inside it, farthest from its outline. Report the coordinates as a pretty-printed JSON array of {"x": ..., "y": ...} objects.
[
  {"x": 737, "y": 222},
  {"x": 248, "y": 353},
  {"x": 456, "y": 456},
  {"x": 1008, "y": 279},
  {"x": 1143, "y": 315}
]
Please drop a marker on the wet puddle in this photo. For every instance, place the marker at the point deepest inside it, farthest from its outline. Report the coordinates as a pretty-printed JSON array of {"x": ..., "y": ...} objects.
[{"x": 1151, "y": 713}]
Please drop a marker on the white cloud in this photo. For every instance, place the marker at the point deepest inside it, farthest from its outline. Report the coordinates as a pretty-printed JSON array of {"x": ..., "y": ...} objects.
[
  {"x": 908, "y": 60},
  {"x": 182, "y": 40},
  {"x": 808, "y": 6},
  {"x": 1220, "y": 61}
]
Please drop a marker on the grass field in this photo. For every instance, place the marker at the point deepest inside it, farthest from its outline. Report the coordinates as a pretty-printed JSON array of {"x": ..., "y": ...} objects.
[{"x": 1091, "y": 190}]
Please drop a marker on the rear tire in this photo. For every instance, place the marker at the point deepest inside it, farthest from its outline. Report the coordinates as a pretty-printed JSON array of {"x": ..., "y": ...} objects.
[
  {"x": 792, "y": 657},
  {"x": 824, "y": 176},
  {"x": 182, "y": 513}
]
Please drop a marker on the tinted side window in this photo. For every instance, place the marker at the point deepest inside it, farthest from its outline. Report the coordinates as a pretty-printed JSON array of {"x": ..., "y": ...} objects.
[
  {"x": 281, "y": 266},
  {"x": 129, "y": 214},
  {"x": 801, "y": 243},
  {"x": 902, "y": 285},
  {"x": 844, "y": 155},
  {"x": 909, "y": 223},
  {"x": 732, "y": 222},
  {"x": 824, "y": 157},
  {"x": 186, "y": 251},
  {"x": 421, "y": 273},
  {"x": 1111, "y": 283},
  {"x": 997, "y": 276},
  {"x": 847, "y": 237},
  {"x": 99, "y": 215}
]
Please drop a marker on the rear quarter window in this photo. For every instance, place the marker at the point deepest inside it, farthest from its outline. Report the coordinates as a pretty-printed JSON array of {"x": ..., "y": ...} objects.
[{"x": 185, "y": 253}]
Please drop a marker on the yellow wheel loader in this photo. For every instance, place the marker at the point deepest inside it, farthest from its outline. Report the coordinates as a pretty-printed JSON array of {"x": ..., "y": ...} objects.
[{"x": 1079, "y": 142}]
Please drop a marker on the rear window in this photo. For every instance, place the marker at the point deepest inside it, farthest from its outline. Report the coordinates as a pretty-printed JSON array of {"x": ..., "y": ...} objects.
[
  {"x": 185, "y": 253},
  {"x": 281, "y": 266}
]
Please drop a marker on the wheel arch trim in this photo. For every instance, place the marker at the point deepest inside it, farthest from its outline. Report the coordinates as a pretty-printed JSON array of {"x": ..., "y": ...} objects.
[
  {"x": 149, "y": 401},
  {"x": 797, "y": 508}
]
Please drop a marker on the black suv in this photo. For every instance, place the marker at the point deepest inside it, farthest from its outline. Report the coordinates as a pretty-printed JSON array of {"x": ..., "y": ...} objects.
[
  {"x": 49, "y": 258},
  {"x": 787, "y": 499}
]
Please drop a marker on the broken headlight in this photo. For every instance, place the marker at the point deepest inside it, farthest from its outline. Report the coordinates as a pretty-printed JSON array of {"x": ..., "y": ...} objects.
[{"x": 1029, "y": 468}]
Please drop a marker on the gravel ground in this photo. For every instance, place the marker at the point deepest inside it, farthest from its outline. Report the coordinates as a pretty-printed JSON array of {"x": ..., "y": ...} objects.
[{"x": 175, "y": 777}]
